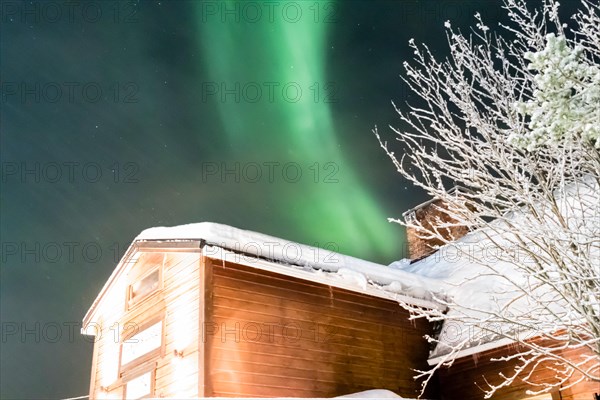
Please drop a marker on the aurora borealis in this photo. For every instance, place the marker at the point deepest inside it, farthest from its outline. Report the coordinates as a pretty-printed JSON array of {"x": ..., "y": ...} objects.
[
  {"x": 277, "y": 109},
  {"x": 117, "y": 116}
]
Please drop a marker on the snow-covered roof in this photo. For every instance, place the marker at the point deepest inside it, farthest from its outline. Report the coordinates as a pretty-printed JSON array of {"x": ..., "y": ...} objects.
[
  {"x": 480, "y": 273},
  {"x": 258, "y": 244},
  {"x": 473, "y": 290},
  {"x": 319, "y": 262},
  {"x": 292, "y": 259}
]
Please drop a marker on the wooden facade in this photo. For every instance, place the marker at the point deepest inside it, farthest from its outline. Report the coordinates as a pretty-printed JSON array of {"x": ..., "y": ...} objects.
[
  {"x": 173, "y": 322},
  {"x": 137, "y": 345},
  {"x": 273, "y": 335},
  {"x": 469, "y": 375}
]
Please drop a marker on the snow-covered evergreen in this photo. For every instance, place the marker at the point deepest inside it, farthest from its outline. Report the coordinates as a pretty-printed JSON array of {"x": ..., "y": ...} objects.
[{"x": 565, "y": 106}]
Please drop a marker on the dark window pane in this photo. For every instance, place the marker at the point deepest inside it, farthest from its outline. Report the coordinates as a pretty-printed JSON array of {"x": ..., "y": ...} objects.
[{"x": 144, "y": 286}]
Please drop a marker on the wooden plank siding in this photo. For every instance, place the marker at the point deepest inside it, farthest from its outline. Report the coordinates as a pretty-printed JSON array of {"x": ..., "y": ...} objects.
[
  {"x": 177, "y": 376},
  {"x": 269, "y": 335},
  {"x": 177, "y": 303},
  {"x": 466, "y": 378}
]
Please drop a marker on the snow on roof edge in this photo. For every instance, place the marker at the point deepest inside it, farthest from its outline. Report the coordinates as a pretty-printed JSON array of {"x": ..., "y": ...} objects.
[
  {"x": 254, "y": 243},
  {"x": 389, "y": 279},
  {"x": 288, "y": 252}
]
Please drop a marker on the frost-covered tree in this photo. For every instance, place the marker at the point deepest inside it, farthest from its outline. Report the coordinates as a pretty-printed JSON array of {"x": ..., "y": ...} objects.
[{"x": 512, "y": 116}]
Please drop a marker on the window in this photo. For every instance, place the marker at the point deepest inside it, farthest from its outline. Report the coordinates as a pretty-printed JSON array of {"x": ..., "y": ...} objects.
[
  {"x": 141, "y": 386},
  {"x": 145, "y": 278},
  {"x": 143, "y": 287},
  {"x": 141, "y": 346}
]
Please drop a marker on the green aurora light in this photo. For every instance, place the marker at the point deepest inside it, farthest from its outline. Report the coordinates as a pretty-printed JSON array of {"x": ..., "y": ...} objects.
[{"x": 277, "y": 52}]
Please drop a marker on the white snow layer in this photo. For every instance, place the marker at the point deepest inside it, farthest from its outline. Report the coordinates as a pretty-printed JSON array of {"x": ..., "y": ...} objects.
[
  {"x": 352, "y": 270},
  {"x": 481, "y": 275},
  {"x": 372, "y": 394}
]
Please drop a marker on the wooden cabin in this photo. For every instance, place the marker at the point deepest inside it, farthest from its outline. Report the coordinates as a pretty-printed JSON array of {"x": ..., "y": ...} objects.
[{"x": 207, "y": 310}]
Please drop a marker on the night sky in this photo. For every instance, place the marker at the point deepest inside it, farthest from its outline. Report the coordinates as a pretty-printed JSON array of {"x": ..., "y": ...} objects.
[{"x": 119, "y": 116}]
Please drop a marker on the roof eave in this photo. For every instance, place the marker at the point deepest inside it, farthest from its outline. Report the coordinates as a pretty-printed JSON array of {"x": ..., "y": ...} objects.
[
  {"x": 471, "y": 350},
  {"x": 133, "y": 247}
]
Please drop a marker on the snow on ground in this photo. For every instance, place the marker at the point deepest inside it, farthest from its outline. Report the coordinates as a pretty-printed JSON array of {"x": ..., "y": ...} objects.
[{"x": 373, "y": 394}]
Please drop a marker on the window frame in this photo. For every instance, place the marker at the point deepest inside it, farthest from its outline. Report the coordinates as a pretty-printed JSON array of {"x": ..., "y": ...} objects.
[
  {"x": 149, "y": 367},
  {"x": 115, "y": 391},
  {"x": 129, "y": 301},
  {"x": 147, "y": 358}
]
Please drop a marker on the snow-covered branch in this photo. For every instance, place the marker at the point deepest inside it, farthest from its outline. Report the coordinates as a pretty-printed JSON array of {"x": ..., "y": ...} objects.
[{"x": 516, "y": 124}]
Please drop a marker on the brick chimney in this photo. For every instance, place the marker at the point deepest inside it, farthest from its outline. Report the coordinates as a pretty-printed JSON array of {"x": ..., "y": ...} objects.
[{"x": 428, "y": 214}]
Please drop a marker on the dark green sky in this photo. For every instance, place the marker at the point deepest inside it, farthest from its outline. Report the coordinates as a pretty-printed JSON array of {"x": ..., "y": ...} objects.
[{"x": 115, "y": 122}]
